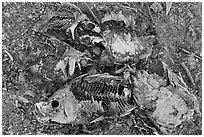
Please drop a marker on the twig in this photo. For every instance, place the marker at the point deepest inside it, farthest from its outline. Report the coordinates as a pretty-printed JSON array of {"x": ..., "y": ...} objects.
[
  {"x": 130, "y": 8},
  {"x": 74, "y": 6},
  {"x": 84, "y": 8},
  {"x": 150, "y": 14},
  {"x": 188, "y": 52},
  {"x": 10, "y": 56},
  {"x": 91, "y": 13},
  {"x": 188, "y": 74},
  {"x": 185, "y": 29},
  {"x": 135, "y": 10}
]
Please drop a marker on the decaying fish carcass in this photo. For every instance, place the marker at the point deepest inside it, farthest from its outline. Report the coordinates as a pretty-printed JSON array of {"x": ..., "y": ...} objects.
[
  {"x": 165, "y": 105},
  {"x": 85, "y": 95}
]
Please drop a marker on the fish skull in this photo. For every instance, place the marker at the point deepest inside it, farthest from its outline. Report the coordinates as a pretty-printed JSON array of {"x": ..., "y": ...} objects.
[{"x": 62, "y": 107}]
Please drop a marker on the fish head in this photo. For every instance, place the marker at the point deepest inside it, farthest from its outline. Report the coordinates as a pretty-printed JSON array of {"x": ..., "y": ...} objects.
[{"x": 62, "y": 107}]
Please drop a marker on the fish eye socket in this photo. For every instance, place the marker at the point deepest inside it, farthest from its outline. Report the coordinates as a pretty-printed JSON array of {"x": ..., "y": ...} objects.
[{"x": 55, "y": 103}]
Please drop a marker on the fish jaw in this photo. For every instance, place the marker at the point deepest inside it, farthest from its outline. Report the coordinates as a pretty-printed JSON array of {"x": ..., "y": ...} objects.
[{"x": 40, "y": 112}]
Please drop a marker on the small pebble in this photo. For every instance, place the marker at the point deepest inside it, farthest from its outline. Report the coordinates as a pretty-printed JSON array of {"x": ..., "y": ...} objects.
[
  {"x": 96, "y": 50},
  {"x": 26, "y": 122}
]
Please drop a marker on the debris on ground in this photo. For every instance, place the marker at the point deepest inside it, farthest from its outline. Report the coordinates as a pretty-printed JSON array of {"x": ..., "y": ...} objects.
[{"x": 101, "y": 68}]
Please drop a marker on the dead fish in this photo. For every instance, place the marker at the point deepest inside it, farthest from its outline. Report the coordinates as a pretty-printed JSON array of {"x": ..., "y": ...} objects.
[{"x": 85, "y": 95}]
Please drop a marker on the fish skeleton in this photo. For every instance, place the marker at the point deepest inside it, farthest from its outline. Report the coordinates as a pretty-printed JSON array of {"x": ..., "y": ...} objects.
[
  {"x": 87, "y": 94},
  {"x": 164, "y": 105}
]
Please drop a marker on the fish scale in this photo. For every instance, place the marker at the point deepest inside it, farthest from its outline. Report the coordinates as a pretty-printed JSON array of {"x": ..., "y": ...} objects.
[{"x": 102, "y": 87}]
